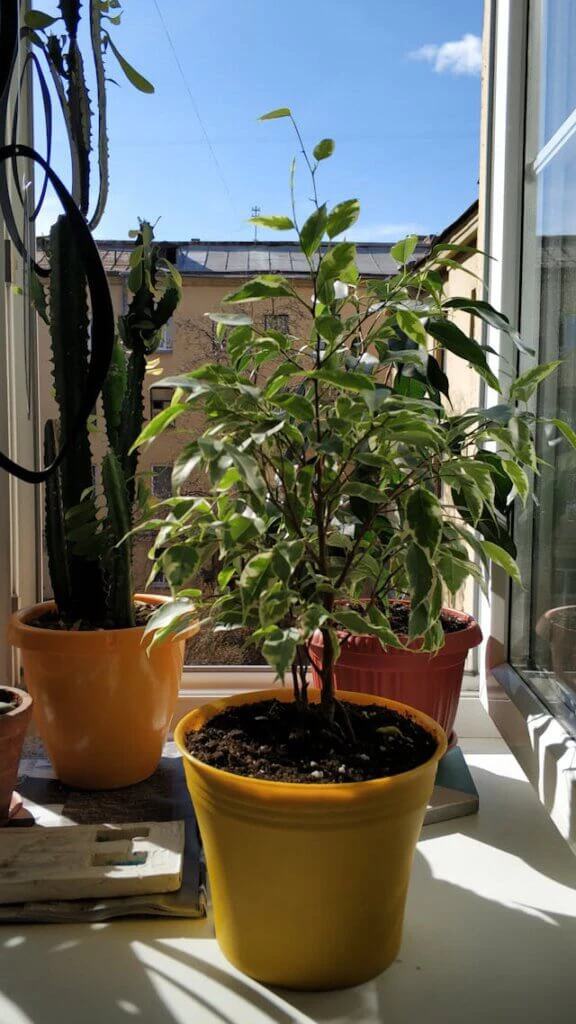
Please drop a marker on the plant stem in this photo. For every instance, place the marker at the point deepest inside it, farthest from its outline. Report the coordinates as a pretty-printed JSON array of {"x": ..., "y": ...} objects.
[
  {"x": 302, "y": 669},
  {"x": 327, "y": 700},
  {"x": 295, "y": 684},
  {"x": 307, "y": 159}
]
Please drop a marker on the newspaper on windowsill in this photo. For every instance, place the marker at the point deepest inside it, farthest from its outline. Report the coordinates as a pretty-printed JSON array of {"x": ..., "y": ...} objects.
[{"x": 48, "y": 803}]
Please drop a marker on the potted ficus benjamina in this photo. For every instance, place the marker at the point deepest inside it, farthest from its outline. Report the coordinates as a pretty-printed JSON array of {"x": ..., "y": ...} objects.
[{"x": 333, "y": 468}]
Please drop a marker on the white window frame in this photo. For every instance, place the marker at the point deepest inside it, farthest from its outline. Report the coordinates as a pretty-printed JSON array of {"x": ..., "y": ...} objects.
[
  {"x": 546, "y": 752},
  {"x": 20, "y": 503},
  {"x": 212, "y": 682}
]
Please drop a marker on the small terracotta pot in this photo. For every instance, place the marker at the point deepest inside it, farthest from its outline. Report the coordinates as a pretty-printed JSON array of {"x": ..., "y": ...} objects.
[
  {"x": 429, "y": 682},
  {"x": 13, "y": 726}
]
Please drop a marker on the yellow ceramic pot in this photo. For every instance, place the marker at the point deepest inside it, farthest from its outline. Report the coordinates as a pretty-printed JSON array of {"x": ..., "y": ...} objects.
[
  {"x": 308, "y": 882},
  {"x": 102, "y": 704}
]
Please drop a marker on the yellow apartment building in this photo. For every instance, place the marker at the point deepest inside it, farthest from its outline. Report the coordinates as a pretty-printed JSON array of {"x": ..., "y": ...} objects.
[{"x": 464, "y": 280}]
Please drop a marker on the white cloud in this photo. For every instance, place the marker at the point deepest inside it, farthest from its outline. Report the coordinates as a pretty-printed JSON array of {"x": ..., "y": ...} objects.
[
  {"x": 384, "y": 232},
  {"x": 463, "y": 57}
]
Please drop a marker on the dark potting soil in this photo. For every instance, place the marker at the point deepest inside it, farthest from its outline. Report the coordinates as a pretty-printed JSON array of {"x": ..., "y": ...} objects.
[
  {"x": 8, "y": 701},
  {"x": 288, "y": 743},
  {"x": 52, "y": 620},
  {"x": 399, "y": 616}
]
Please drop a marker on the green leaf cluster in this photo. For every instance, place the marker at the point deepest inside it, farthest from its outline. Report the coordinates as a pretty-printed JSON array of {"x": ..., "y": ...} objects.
[{"x": 341, "y": 478}]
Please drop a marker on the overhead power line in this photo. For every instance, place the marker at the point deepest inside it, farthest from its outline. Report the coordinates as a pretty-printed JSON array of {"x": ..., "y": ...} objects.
[{"x": 194, "y": 103}]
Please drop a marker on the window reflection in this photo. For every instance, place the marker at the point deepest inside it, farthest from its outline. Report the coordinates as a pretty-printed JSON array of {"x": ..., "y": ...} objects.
[{"x": 543, "y": 622}]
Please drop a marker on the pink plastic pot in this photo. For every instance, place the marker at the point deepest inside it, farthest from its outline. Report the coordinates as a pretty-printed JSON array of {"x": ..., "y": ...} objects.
[{"x": 429, "y": 682}]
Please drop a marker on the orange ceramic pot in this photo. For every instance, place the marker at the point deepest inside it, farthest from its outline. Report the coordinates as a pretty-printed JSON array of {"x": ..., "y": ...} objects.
[
  {"x": 102, "y": 703},
  {"x": 13, "y": 726},
  {"x": 429, "y": 682}
]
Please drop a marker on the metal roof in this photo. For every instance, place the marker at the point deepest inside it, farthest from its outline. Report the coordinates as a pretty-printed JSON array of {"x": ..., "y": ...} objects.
[{"x": 241, "y": 259}]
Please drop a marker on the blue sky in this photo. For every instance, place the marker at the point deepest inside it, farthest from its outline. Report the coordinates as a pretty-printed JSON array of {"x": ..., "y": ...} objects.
[{"x": 397, "y": 86}]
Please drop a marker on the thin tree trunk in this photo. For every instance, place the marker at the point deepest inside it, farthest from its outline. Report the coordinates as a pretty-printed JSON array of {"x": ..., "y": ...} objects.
[{"x": 328, "y": 699}]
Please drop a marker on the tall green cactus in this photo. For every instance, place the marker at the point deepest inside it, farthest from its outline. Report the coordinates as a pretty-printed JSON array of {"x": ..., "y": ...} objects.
[
  {"x": 156, "y": 289},
  {"x": 58, "y": 37},
  {"x": 139, "y": 331},
  {"x": 88, "y": 554},
  {"x": 120, "y": 599},
  {"x": 84, "y": 599},
  {"x": 56, "y": 544}
]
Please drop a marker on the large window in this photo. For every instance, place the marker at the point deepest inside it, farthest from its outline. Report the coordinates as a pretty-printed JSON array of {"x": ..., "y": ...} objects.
[
  {"x": 277, "y": 322},
  {"x": 543, "y": 617},
  {"x": 160, "y": 399},
  {"x": 161, "y": 481},
  {"x": 166, "y": 343}
]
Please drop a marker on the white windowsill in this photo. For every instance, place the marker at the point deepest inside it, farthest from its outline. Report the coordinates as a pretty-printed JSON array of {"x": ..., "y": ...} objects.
[
  {"x": 200, "y": 686},
  {"x": 490, "y": 935},
  {"x": 543, "y": 747}
]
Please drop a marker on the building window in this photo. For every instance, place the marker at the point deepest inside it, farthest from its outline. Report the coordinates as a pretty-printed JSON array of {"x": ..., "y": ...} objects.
[
  {"x": 160, "y": 398},
  {"x": 160, "y": 579},
  {"x": 543, "y": 615},
  {"x": 277, "y": 322},
  {"x": 162, "y": 482},
  {"x": 166, "y": 338}
]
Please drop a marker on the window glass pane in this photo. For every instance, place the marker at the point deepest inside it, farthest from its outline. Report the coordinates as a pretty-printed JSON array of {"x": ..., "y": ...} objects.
[
  {"x": 543, "y": 621},
  {"x": 558, "y": 40}
]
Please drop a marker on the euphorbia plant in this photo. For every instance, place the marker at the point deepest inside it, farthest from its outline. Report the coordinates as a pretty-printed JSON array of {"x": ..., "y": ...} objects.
[
  {"x": 338, "y": 475},
  {"x": 91, "y": 573}
]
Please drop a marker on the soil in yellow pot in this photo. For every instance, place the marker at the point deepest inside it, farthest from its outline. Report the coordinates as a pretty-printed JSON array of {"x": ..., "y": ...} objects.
[
  {"x": 102, "y": 703},
  {"x": 308, "y": 881}
]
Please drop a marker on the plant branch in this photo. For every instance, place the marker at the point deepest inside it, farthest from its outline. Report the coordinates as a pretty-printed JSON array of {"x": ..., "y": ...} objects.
[{"x": 307, "y": 159}]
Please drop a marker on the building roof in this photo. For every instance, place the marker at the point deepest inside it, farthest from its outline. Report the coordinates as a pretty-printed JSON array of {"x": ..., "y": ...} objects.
[
  {"x": 237, "y": 259},
  {"x": 233, "y": 258}
]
